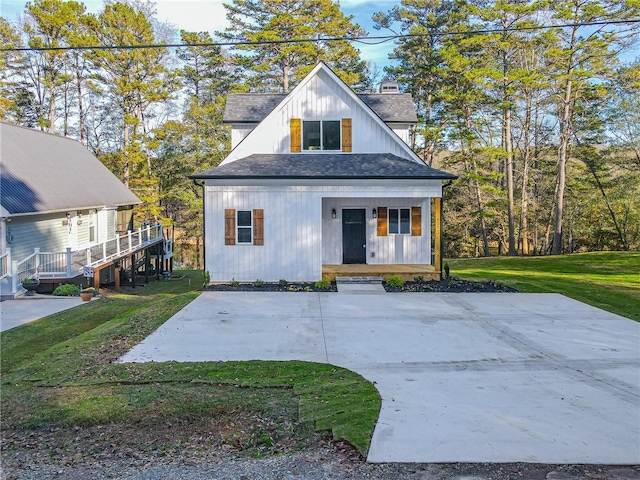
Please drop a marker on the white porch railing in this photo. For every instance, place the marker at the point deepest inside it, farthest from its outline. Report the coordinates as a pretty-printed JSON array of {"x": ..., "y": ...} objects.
[
  {"x": 5, "y": 264},
  {"x": 69, "y": 264}
]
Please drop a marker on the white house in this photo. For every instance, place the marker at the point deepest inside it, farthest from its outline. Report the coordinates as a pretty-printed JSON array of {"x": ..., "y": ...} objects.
[
  {"x": 318, "y": 179},
  {"x": 60, "y": 210}
]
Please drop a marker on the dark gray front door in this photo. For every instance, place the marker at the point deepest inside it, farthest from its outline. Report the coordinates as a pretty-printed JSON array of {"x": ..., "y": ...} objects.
[{"x": 354, "y": 236}]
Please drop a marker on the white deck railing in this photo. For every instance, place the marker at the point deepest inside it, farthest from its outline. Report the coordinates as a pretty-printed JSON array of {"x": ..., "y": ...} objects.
[{"x": 69, "y": 264}]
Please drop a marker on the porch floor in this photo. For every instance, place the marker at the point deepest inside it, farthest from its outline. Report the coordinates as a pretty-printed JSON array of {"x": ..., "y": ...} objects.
[{"x": 405, "y": 271}]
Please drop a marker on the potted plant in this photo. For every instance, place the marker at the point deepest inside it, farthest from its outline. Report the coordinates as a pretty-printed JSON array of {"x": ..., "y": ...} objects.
[
  {"x": 30, "y": 285},
  {"x": 88, "y": 293}
]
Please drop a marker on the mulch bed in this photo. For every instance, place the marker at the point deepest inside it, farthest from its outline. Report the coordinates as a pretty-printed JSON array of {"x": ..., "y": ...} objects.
[{"x": 452, "y": 285}]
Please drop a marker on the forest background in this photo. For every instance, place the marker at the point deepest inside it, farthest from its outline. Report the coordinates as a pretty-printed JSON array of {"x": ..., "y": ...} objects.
[{"x": 534, "y": 104}]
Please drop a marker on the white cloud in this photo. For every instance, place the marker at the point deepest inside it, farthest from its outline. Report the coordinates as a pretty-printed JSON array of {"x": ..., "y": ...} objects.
[{"x": 193, "y": 15}]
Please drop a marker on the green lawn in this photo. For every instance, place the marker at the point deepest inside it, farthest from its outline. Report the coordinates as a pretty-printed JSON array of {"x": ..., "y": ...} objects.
[
  {"x": 607, "y": 280},
  {"x": 59, "y": 375}
]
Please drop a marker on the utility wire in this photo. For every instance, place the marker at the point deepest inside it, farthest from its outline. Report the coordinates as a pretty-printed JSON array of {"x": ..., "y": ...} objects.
[{"x": 364, "y": 40}]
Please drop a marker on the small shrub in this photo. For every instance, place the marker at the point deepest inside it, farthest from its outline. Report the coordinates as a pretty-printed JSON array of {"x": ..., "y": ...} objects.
[
  {"x": 29, "y": 281},
  {"x": 92, "y": 291},
  {"x": 283, "y": 283},
  {"x": 206, "y": 278},
  {"x": 235, "y": 283},
  {"x": 395, "y": 281},
  {"x": 323, "y": 284},
  {"x": 419, "y": 279},
  {"x": 258, "y": 283},
  {"x": 446, "y": 271},
  {"x": 67, "y": 290}
]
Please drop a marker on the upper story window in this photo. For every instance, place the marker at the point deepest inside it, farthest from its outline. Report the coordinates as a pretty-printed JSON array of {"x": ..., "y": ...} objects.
[
  {"x": 317, "y": 135},
  {"x": 321, "y": 135}
]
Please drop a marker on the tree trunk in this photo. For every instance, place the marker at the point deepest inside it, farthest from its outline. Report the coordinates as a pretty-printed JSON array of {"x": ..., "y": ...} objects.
[
  {"x": 285, "y": 77},
  {"x": 125, "y": 173},
  {"x": 83, "y": 140},
  {"x": 52, "y": 110},
  {"x": 563, "y": 148},
  {"x": 524, "y": 198},
  {"x": 510, "y": 187}
]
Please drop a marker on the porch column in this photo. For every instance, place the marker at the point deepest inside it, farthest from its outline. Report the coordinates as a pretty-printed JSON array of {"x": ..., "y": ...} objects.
[{"x": 437, "y": 248}]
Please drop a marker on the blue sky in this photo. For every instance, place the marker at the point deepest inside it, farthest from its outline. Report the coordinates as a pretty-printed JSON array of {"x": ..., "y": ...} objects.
[{"x": 209, "y": 15}]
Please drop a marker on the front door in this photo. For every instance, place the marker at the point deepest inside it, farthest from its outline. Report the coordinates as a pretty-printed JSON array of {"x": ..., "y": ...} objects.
[{"x": 354, "y": 236}]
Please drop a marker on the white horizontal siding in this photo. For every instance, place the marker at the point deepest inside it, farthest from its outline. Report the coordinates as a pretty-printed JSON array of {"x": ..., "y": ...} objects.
[
  {"x": 299, "y": 233},
  {"x": 46, "y": 232},
  {"x": 320, "y": 98}
]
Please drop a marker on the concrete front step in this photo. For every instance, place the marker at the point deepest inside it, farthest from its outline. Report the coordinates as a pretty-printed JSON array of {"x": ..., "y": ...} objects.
[{"x": 360, "y": 280}]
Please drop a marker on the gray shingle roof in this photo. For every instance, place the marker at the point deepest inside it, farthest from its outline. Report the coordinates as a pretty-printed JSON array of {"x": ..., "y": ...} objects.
[
  {"x": 254, "y": 107},
  {"x": 391, "y": 107},
  {"x": 329, "y": 166},
  {"x": 41, "y": 172}
]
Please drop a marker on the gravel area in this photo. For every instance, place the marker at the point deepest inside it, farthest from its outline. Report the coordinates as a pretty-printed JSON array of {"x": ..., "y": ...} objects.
[{"x": 329, "y": 462}]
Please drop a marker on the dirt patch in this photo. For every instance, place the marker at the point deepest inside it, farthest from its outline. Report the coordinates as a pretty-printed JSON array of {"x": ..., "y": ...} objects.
[{"x": 452, "y": 285}]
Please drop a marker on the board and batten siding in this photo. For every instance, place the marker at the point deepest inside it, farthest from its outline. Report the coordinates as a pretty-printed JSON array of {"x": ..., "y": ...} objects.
[
  {"x": 389, "y": 249},
  {"x": 320, "y": 99},
  {"x": 292, "y": 249},
  {"x": 299, "y": 233}
]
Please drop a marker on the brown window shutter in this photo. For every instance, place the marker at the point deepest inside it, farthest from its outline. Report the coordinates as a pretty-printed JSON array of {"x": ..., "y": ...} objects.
[
  {"x": 295, "y": 135},
  {"x": 416, "y": 221},
  {"x": 229, "y": 226},
  {"x": 346, "y": 134},
  {"x": 258, "y": 226},
  {"x": 382, "y": 222}
]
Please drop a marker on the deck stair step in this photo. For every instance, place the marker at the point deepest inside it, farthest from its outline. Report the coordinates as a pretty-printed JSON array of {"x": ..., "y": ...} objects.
[{"x": 359, "y": 280}]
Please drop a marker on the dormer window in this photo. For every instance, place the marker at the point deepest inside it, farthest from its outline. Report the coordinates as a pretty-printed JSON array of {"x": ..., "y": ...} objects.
[
  {"x": 321, "y": 135},
  {"x": 317, "y": 135}
]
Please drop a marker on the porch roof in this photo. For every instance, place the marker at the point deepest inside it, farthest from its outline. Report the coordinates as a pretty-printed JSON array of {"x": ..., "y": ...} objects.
[{"x": 324, "y": 166}]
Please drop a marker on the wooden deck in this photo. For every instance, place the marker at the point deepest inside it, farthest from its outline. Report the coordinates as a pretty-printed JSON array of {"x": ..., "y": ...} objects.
[{"x": 406, "y": 272}]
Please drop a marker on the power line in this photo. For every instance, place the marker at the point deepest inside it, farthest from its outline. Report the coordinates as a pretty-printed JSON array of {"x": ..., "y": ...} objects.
[{"x": 364, "y": 40}]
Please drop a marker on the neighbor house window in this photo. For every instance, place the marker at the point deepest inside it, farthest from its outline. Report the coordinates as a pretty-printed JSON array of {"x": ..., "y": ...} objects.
[
  {"x": 245, "y": 226},
  {"x": 321, "y": 135},
  {"x": 400, "y": 221}
]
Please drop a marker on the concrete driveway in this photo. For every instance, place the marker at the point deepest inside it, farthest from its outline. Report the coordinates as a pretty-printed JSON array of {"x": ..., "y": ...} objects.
[
  {"x": 22, "y": 310},
  {"x": 463, "y": 377}
]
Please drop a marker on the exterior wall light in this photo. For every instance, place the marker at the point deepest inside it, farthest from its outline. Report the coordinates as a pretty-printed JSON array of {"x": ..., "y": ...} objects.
[
  {"x": 333, "y": 213},
  {"x": 375, "y": 213}
]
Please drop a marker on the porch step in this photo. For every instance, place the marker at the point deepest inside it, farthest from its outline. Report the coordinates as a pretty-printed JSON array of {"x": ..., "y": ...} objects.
[
  {"x": 364, "y": 285},
  {"x": 5, "y": 290},
  {"x": 361, "y": 280}
]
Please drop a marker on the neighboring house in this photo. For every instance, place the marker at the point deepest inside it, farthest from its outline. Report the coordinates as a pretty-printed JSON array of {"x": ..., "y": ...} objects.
[
  {"x": 317, "y": 178},
  {"x": 57, "y": 197}
]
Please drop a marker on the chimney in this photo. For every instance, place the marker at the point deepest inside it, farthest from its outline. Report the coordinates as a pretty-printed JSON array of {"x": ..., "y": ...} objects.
[{"x": 389, "y": 86}]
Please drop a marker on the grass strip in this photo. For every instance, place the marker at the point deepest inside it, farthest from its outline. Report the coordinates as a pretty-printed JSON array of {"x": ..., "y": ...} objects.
[
  {"x": 60, "y": 373},
  {"x": 607, "y": 280}
]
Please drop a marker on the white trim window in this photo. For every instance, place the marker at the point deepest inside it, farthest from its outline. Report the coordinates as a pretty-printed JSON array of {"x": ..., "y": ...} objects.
[
  {"x": 399, "y": 221},
  {"x": 244, "y": 226},
  {"x": 321, "y": 135}
]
